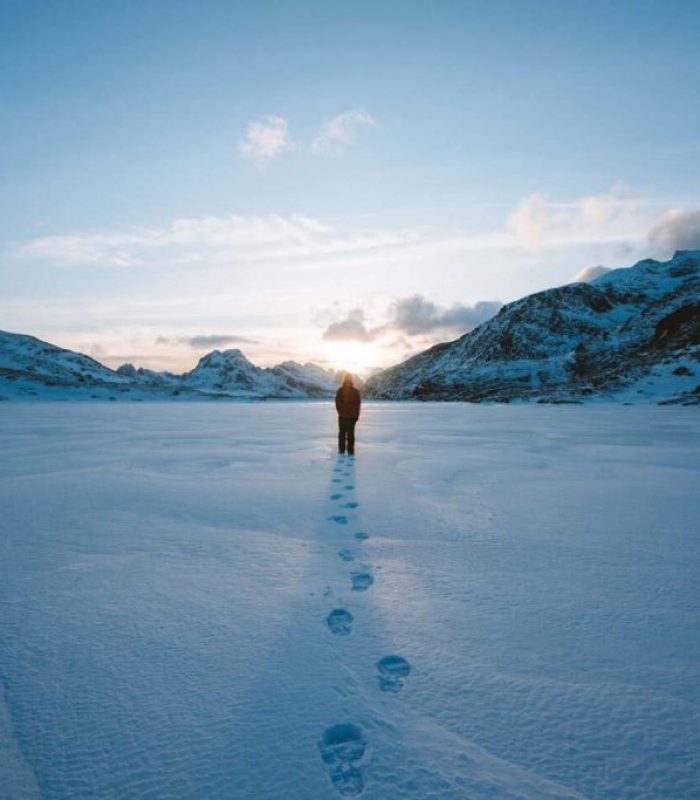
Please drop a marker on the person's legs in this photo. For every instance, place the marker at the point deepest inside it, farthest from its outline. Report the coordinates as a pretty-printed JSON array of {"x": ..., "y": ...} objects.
[
  {"x": 351, "y": 436},
  {"x": 341, "y": 435}
]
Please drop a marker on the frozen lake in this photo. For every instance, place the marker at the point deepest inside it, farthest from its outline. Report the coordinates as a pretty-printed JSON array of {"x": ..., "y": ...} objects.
[{"x": 187, "y": 609}]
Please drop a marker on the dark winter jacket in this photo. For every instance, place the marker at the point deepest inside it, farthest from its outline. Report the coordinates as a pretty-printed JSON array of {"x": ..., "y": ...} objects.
[{"x": 347, "y": 402}]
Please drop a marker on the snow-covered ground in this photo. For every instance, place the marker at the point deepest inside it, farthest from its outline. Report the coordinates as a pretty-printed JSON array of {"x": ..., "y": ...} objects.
[{"x": 195, "y": 601}]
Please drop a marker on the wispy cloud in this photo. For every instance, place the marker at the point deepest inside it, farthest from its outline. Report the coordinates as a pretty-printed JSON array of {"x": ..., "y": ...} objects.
[
  {"x": 337, "y": 133},
  {"x": 212, "y": 240},
  {"x": 265, "y": 139},
  {"x": 537, "y": 222},
  {"x": 206, "y": 340}
]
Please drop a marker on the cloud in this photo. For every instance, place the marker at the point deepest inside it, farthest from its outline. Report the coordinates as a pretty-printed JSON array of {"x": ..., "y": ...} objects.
[
  {"x": 609, "y": 216},
  {"x": 192, "y": 241},
  {"x": 588, "y": 274},
  {"x": 337, "y": 133},
  {"x": 412, "y": 316},
  {"x": 676, "y": 229},
  {"x": 529, "y": 220},
  {"x": 350, "y": 329},
  {"x": 265, "y": 139},
  {"x": 416, "y": 315},
  {"x": 207, "y": 340}
]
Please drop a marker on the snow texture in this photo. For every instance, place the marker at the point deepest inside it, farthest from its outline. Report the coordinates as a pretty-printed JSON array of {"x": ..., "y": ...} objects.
[{"x": 178, "y": 617}]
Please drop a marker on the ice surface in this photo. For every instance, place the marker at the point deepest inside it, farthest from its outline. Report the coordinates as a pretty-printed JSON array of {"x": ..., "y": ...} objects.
[{"x": 169, "y": 576}]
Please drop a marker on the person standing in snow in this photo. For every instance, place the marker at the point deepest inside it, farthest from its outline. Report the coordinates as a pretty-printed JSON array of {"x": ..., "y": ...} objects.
[{"x": 347, "y": 404}]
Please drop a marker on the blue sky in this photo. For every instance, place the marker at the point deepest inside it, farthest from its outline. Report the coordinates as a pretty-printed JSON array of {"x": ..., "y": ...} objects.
[{"x": 290, "y": 177}]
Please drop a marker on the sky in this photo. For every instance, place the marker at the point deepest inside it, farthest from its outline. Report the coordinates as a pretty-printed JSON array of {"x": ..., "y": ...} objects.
[{"x": 344, "y": 183}]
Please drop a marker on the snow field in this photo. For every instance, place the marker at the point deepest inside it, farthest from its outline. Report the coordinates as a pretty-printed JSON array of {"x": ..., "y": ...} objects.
[{"x": 487, "y": 602}]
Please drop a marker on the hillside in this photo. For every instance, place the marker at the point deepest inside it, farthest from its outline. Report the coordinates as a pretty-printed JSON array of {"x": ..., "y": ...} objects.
[{"x": 630, "y": 334}]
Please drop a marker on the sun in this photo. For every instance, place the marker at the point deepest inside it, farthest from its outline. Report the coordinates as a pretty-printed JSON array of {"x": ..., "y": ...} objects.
[{"x": 355, "y": 357}]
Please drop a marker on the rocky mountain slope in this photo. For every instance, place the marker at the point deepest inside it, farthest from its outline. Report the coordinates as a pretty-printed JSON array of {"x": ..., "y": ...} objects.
[
  {"x": 630, "y": 334},
  {"x": 33, "y": 369}
]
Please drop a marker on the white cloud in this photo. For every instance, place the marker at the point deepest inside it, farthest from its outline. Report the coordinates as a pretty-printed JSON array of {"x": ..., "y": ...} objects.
[
  {"x": 350, "y": 329},
  {"x": 677, "y": 229},
  {"x": 265, "y": 139},
  {"x": 196, "y": 241},
  {"x": 610, "y": 216},
  {"x": 337, "y": 133},
  {"x": 588, "y": 274}
]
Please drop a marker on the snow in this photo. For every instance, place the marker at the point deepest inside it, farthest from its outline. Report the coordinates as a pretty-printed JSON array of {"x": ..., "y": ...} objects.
[{"x": 204, "y": 601}]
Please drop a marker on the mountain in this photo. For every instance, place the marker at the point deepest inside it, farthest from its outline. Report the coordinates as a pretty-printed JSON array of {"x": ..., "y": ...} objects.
[
  {"x": 229, "y": 372},
  {"x": 632, "y": 333},
  {"x": 308, "y": 377},
  {"x": 31, "y": 368},
  {"x": 147, "y": 376}
]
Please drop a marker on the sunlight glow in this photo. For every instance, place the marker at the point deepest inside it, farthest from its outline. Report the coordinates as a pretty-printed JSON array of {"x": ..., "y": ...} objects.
[{"x": 356, "y": 357}]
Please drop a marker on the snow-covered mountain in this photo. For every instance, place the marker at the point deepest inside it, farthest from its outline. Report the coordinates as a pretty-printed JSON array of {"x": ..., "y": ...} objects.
[
  {"x": 147, "y": 376},
  {"x": 631, "y": 333},
  {"x": 229, "y": 372},
  {"x": 308, "y": 377},
  {"x": 31, "y": 368}
]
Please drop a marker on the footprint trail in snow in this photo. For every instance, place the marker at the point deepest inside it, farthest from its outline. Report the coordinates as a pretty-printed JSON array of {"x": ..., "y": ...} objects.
[
  {"x": 342, "y": 748},
  {"x": 392, "y": 671},
  {"x": 362, "y": 580},
  {"x": 339, "y": 622}
]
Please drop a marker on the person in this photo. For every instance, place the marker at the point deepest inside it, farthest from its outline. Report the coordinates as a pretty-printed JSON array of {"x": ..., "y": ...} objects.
[{"x": 347, "y": 404}]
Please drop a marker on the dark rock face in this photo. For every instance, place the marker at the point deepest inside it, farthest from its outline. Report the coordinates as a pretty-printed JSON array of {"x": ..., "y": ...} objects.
[
  {"x": 565, "y": 343},
  {"x": 684, "y": 322}
]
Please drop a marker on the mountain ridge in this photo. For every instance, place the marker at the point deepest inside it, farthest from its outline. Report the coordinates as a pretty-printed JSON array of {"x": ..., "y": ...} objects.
[
  {"x": 599, "y": 339},
  {"x": 631, "y": 334},
  {"x": 32, "y": 368}
]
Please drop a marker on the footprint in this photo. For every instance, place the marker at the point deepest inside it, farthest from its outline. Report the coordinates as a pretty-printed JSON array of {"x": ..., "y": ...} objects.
[
  {"x": 336, "y": 496},
  {"x": 349, "y": 487},
  {"x": 361, "y": 580},
  {"x": 362, "y": 536},
  {"x": 342, "y": 748},
  {"x": 346, "y": 554},
  {"x": 339, "y": 621},
  {"x": 351, "y": 504},
  {"x": 341, "y": 519},
  {"x": 335, "y": 480},
  {"x": 392, "y": 671}
]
